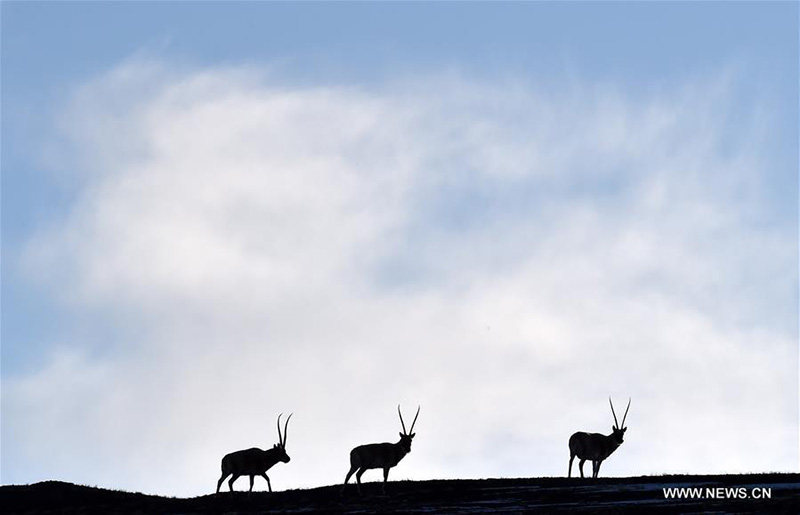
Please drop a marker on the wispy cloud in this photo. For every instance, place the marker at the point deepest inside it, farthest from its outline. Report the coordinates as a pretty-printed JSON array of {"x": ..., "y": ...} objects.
[{"x": 503, "y": 255}]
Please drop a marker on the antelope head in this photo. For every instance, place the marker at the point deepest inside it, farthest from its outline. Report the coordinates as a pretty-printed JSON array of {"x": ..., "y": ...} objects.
[
  {"x": 618, "y": 431},
  {"x": 280, "y": 447},
  {"x": 407, "y": 436}
]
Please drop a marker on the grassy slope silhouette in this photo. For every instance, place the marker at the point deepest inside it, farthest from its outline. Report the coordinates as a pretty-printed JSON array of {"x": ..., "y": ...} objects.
[{"x": 550, "y": 495}]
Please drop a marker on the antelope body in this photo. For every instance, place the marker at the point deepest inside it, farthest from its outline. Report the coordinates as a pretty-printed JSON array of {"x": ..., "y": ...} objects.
[
  {"x": 380, "y": 455},
  {"x": 596, "y": 447},
  {"x": 255, "y": 462}
]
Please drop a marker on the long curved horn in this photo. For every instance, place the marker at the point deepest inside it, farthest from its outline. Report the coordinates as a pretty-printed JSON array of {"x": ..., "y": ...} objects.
[
  {"x": 280, "y": 438},
  {"x": 612, "y": 412},
  {"x": 626, "y": 412},
  {"x": 415, "y": 421},
  {"x": 286, "y": 429},
  {"x": 401, "y": 420}
]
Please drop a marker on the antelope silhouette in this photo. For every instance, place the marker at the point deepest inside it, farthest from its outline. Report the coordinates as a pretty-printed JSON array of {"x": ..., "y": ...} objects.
[
  {"x": 255, "y": 462},
  {"x": 595, "y": 446},
  {"x": 380, "y": 455}
]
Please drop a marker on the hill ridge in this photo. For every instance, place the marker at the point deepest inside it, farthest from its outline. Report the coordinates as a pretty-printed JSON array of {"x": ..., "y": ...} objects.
[{"x": 497, "y": 495}]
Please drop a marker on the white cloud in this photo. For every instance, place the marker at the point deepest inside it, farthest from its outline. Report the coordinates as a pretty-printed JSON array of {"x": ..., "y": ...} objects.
[{"x": 502, "y": 256}]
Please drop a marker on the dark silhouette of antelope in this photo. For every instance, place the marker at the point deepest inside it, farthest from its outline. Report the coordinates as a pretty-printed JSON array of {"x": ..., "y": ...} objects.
[
  {"x": 594, "y": 446},
  {"x": 255, "y": 462},
  {"x": 380, "y": 455}
]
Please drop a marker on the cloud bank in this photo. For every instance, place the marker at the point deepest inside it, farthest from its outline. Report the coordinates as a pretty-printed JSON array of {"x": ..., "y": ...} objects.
[{"x": 503, "y": 254}]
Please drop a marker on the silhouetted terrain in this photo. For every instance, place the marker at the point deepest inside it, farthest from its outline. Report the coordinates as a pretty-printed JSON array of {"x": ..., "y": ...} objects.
[{"x": 546, "y": 495}]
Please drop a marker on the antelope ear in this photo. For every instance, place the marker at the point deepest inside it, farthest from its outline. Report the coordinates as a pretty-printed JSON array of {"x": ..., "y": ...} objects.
[
  {"x": 401, "y": 435},
  {"x": 624, "y": 429},
  {"x": 412, "y": 435}
]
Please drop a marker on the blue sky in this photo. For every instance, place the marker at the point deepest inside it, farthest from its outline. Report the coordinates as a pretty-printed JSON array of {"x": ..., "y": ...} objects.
[{"x": 585, "y": 183}]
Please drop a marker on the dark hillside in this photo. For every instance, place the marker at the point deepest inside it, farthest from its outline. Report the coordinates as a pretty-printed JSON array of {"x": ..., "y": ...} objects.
[{"x": 545, "y": 495}]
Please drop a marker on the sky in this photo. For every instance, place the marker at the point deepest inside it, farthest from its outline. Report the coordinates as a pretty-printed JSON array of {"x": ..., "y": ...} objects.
[{"x": 501, "y": 212}]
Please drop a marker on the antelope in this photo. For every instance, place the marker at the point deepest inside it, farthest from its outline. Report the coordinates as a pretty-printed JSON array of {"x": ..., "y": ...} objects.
[
  {"x": 253, "y": 462},
  {"x": 595, "y": 446},
  {"x": 380, "y": 455}
]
